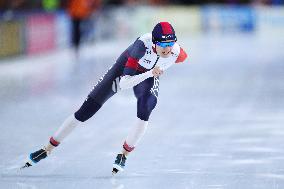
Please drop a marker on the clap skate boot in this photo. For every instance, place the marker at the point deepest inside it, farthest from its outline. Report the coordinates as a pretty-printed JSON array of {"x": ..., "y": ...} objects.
[
  {"x": 119, "y": 163},
  {"x": 35, "y": 157}
]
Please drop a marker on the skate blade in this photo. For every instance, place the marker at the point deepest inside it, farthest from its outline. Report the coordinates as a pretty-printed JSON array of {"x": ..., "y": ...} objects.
[
  {"x": 115, "y": 166},
  {"x": 114, "y": 171},
  {"x": 27, "y": 164}
]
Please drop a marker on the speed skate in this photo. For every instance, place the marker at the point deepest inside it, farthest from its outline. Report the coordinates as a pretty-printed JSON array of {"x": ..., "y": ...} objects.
[
  {"x": 119, "y": 163},
  {"x": 35, "y": 157}
]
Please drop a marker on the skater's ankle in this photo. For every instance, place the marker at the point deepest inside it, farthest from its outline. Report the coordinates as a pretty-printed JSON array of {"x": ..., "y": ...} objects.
[
  {"x": 124, "y": 152},
  {"x": 48, "y": 148}
]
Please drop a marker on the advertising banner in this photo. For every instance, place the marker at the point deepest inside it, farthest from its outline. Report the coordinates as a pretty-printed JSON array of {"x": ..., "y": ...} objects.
[
  {"x": 40, "y": 33},
  {"x": 270, "y": 22},
  {"x": 63, "y": 30},
  {"x": 186, "y": 20},
  {"x": 116, "y": 22},
  {"x": 228, "y": 19},
  {"x": 11, "y": 41}
]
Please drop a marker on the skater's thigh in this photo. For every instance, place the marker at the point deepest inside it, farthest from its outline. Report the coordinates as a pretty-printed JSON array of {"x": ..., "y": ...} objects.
[
  {"x": 145, "y": 106},
  {"x": 97, "y": 97},
  {"x": 106, "y": 87},
  {"x": 146, "y": 93},
  {"x": 149, "y": 86}
]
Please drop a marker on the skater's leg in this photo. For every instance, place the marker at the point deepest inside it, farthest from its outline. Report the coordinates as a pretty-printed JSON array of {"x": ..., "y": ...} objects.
[
  {"x": 63, "y": 131},
  {"x": 97, "y": 97},
  {"x": 145, "y": 106},
  {"x": 146, "y": 93},
  {"x": 134, "y": 136},
  {"x": 86, "y": 111}
]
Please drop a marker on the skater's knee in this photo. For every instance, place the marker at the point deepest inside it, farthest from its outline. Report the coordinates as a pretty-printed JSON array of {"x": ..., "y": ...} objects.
[
  {"x": 144, "y": 116},
  {"x": 87, "y": 110},
  {"x": 80, "y": 116}
]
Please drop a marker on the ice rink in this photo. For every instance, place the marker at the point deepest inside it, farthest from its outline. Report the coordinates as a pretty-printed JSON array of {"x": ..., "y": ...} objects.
[{"x": 218, "y": 123}]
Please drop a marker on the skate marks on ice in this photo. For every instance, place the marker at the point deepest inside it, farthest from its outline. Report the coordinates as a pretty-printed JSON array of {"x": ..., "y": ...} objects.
[
  {"x": 16, "y": 165},
  {"x": 23, "y": 185},
  {"x": 58, "y": 180},
  {"x": 13, "y": 166},
  {"x": 192, "y": 178},
  {"x": 51, "y": 177},
  {"x": 116, "y": 184},
  {"x": 67, "y": 181}
]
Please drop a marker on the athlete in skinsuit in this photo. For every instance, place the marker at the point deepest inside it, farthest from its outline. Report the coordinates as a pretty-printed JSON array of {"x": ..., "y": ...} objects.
[{"x": 138, "y": 67}]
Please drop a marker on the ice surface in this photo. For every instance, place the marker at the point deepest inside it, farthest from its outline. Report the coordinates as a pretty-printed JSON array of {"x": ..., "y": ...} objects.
[{"x": 218, "y": 123}]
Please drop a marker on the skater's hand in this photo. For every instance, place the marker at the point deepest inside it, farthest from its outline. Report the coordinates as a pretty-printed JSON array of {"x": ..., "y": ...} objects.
[{"x": 157, "y": 71}]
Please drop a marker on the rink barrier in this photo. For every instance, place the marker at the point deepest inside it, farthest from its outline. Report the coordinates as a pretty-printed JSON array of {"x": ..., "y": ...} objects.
[
  {"x": 33, "y": 33},
  {"x": 38, "y": 32},
  {"x": 11, "y": 38},
  {"x": 270, "y": 22},
  {"x": 114, "y": 23},
  {"x": 228, "y": 19}
]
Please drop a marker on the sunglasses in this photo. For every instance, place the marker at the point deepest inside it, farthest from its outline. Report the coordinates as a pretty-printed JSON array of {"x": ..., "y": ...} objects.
[{"x": 166, "y": 44}]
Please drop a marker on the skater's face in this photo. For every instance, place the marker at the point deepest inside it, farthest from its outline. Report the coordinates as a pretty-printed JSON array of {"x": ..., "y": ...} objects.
[{"x": 164, "y": 49}]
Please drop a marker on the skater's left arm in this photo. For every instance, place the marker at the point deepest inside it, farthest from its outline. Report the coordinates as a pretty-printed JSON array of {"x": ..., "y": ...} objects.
[{"x": 128, "y": 81}]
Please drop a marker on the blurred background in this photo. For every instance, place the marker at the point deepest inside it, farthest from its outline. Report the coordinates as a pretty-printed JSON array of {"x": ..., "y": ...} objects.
[
  {"x": 29, "y": 29},
  {"x": 220, "y": 114},
  {"x": 23, "y": 22}
]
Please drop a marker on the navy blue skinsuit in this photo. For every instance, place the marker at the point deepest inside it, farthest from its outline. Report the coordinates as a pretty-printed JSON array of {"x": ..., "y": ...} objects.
[{"x": 107, "y": 86}]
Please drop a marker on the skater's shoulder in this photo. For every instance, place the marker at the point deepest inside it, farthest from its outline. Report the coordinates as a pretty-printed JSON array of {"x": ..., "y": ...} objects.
[
  {"x": 176, "y": 49},
  {"x": 179, "y": 52}
]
